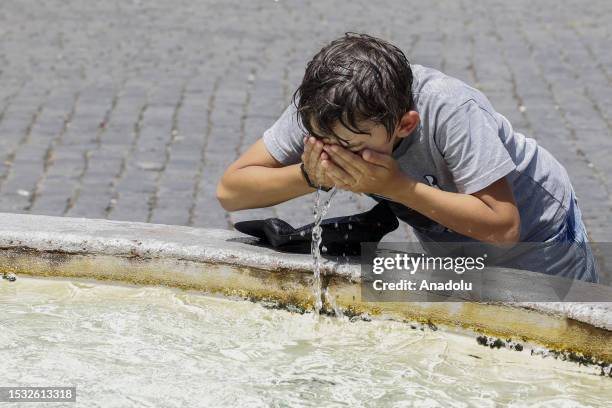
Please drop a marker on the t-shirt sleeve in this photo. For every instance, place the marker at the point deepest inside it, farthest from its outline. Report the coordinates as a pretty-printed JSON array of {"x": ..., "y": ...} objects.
[
  {"x": 284, "y": 139},
  {"x": 470, "y": 143}
]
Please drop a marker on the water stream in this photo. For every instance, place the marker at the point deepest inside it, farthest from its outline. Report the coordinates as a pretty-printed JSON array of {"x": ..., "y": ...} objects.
[{"x": 319, "y": 211}]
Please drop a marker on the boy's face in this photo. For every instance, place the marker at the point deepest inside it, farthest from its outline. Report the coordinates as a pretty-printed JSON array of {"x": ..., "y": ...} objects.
[{"x": 378, "y": 139}]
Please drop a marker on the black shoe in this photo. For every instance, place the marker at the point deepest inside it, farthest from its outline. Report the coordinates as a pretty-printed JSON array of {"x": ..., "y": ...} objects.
[{"x": 339, "y": 235}]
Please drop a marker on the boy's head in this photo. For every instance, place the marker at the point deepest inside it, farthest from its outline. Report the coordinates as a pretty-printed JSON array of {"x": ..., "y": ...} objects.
[{"x": 356, "y": 92}]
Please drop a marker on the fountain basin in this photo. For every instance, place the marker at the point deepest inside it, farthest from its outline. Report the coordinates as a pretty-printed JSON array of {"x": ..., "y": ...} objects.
[{"x": 232, "y": 264}]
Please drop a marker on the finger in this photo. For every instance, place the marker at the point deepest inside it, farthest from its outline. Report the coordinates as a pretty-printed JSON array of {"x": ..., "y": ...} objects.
[
  {"x": 326, "y": 180},
  {"x": 316, "y": 154},
  {"x": 379, "y": 159},
  {"x": 307, "y": 150},
  {"x": 320, "y": 173},
  {"x": 320, "y": 170},
  {"x": 348, "y": 160},
  {"x": 334, "y": 170},
  {"x": 337, "y": 182}
]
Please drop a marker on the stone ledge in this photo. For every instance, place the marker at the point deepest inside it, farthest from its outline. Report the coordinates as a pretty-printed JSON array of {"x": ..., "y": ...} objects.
[{"x": 145, "y": 240}]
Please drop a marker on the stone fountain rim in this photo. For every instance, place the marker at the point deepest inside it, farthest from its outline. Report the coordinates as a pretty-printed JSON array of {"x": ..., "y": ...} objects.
[{"x": 41, "y": 233}]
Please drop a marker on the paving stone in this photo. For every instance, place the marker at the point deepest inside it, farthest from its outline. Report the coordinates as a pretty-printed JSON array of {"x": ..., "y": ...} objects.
[{"x": 220, "y": 84}]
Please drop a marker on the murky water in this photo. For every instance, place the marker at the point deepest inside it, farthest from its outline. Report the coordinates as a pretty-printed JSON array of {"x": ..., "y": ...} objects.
[{"x": 153, "y": 346}]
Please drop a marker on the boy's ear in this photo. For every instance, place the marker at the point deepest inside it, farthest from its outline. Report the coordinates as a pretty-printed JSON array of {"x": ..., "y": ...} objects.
[{"x": 408, "y": 123}]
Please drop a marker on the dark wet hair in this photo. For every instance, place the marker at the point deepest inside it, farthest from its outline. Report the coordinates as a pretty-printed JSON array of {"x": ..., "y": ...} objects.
[{"x": 354, "y": 78}]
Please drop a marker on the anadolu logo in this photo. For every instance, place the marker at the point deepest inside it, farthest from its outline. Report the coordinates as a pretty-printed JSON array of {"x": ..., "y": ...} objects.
[{"x": 432, "y": 181}]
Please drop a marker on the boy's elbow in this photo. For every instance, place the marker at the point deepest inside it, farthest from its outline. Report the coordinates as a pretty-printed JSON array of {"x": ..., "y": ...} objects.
[
  {"x": 512, "y": 236},
  {"x": 225, "y": 198},
  {"x": 511, "y": 233}
]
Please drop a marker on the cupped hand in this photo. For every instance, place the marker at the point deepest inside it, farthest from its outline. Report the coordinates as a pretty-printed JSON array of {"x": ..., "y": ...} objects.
[
  {"x": 312, "y": 158},
  {"x": 365, "y": 172}
]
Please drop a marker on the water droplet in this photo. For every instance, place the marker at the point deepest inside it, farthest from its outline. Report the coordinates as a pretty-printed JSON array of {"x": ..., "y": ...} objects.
[
  {"x": 350, "y": 226},
  {"x": 302, "y": 233},
  {"x": 336, "y": 225},
  {"x": 345, "y": 236},
  {"x": 324, "y": 248}
]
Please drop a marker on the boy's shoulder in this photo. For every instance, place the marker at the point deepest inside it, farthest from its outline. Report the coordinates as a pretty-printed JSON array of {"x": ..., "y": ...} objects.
[{"x": 438, "y": 93}]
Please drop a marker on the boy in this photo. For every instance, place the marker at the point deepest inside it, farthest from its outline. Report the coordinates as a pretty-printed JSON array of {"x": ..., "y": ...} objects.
[{"x": 448, "y": 164}]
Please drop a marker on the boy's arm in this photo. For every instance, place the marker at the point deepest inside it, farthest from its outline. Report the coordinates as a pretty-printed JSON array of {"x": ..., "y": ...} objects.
[
  {"x": 269, "y": 172},
  {"x": 258, "y": 180},
  {"x": 488, "y": 215}
]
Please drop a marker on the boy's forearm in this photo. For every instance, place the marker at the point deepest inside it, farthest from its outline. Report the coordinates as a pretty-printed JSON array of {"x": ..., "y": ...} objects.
[
  {"x": 258, "y": 186},
  {"x": 462, "y": 213}
]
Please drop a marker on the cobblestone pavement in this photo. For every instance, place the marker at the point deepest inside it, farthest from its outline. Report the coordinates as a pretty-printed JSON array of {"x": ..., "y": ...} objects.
[{"x": 131, "y": 110}]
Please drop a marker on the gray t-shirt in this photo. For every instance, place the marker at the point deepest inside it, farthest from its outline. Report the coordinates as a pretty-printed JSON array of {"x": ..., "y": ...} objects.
[{"x": 461, "y": 145}]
